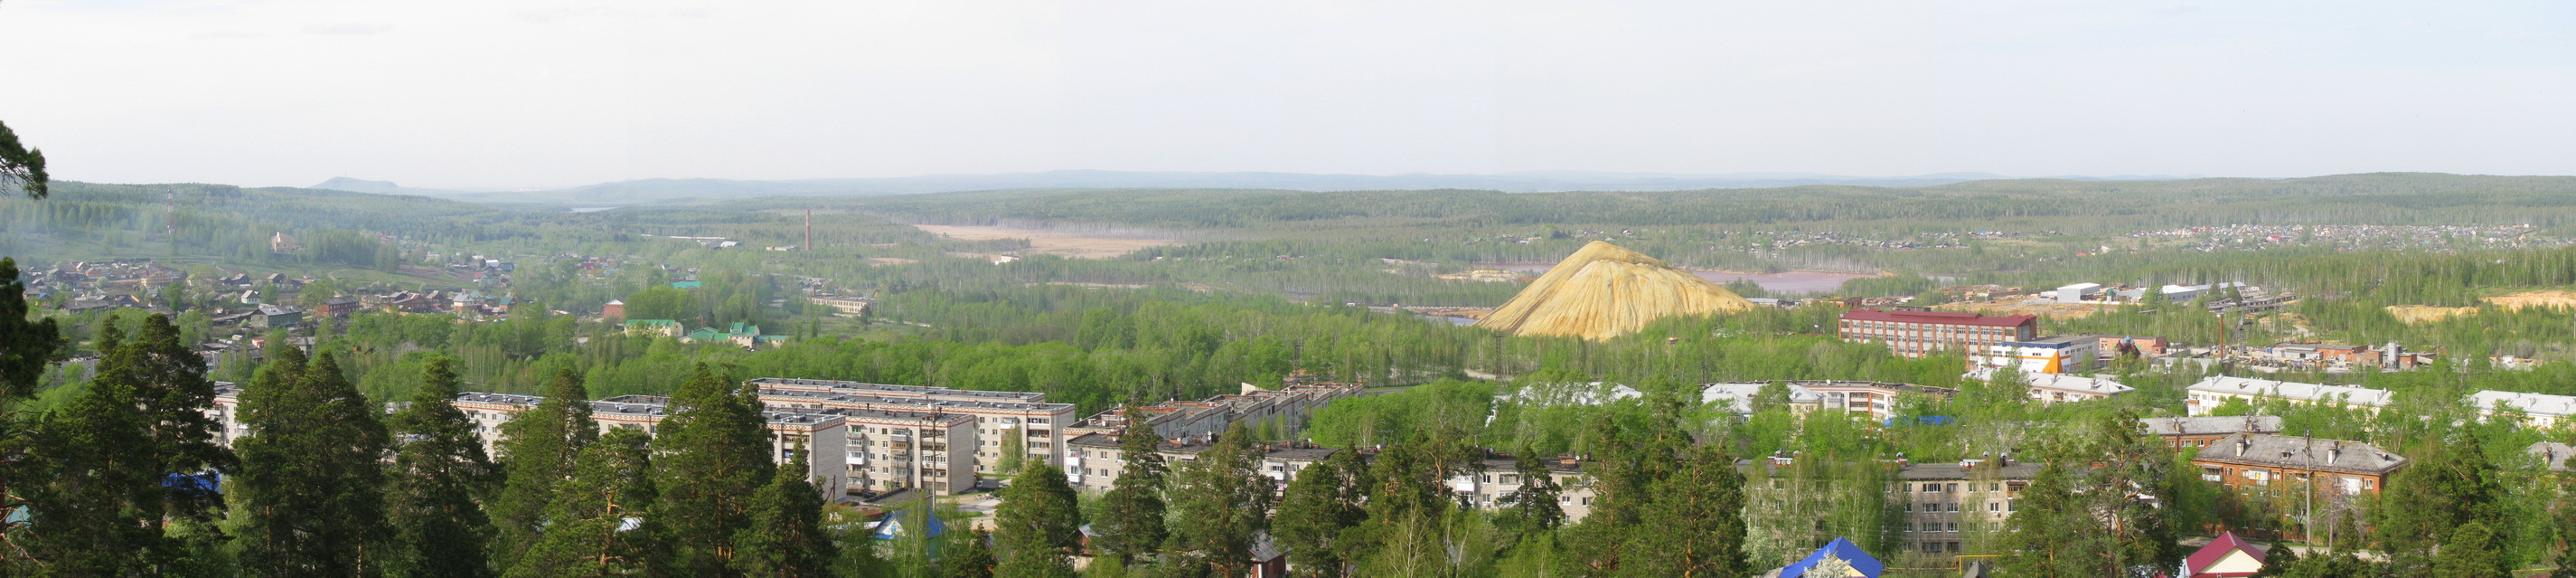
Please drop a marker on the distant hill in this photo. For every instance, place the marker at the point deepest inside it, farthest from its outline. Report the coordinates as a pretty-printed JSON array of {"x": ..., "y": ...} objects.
[{"x": 686, "y": 190}]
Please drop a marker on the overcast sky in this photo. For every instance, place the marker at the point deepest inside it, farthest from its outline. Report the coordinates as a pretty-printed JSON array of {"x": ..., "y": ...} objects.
[{"x": 524, "y": 93}]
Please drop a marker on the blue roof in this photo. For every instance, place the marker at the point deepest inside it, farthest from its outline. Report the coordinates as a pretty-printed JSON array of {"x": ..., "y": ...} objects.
[
  {"x": 891, "y": 526},
  {"x": 1840, "y": 548}
]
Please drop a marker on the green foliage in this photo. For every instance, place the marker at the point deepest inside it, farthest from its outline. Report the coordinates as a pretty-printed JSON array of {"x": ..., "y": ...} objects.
[
  {"x": 971, "y": 558},
  {"x": 2096, "y": 519},
  {"x": 539, "y": 449},
  {"x": 1220, "y": 500},
  {"x": 440, "y": 478},
  {"x": 715, "y": 453},
  {"x": 1449, "y": 405},
  {"x": 1321, "y": 504},
  {"x": 1038, "y": 527},
  {"x": 1131, "y": 521},
  {"x": 786, "y": 538},
  {"x": 611, "y": 483},
  {"x": 2450, "y": 486},
  {"x": 311, "y": 487},
  {"x": 21, "y": 166}
]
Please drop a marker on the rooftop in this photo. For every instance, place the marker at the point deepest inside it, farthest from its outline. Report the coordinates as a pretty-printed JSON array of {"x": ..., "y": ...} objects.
[
  {"x": 2183, "y": 426},
  {"x": 2293, "y": 390},
  {"x": 1939, "y": 317},
  {"x": 2536, "y": 404},
  {"x": 2302, "y": 453}
]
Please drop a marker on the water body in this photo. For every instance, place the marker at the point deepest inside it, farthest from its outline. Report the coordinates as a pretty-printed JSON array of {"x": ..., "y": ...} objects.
[{"x": 1787, "y": 282}]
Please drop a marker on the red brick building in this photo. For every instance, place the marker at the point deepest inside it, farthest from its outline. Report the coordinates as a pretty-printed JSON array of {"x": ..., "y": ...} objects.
[{"x": 1915, "y": 334}]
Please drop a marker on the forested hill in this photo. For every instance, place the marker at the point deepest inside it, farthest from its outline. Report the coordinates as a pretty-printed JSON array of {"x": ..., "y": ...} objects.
[{"x": 2377, "y": 198}]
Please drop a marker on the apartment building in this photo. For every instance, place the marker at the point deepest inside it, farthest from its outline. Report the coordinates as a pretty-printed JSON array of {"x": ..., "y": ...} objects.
[
  {"x": 2193, "y": 433},
  {"x": 1914, "y": 334},
  {"x": 999, "y": 416},
  {"x": 891, "y": 450},
  {"x": 2335, "y": 467},
  {"x": 2209, "y": 393},
  {"x": 1945, "y": 501},
  {"x": 2540, "y": 409},
  {"x": 1497, "y": 476},
  {"x": 1287, "y": 407},
  {"x": 2060, "y": 387},
  {"x": 1876, "y": 398}
]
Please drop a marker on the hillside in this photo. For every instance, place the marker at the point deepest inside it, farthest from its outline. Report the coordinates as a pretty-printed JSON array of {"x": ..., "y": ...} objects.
[{"x": 1604, "y": 291}]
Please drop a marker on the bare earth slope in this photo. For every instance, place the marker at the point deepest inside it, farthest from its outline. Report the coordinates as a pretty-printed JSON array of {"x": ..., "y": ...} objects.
[{"x": 1604, "y": 291}]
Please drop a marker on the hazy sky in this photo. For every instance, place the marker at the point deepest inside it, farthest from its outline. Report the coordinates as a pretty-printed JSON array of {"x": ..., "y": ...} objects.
[{"x": 512, "y": 93}]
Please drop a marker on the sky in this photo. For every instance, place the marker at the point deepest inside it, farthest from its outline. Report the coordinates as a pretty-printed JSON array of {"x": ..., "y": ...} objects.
[{"x": 542, "y": 93}]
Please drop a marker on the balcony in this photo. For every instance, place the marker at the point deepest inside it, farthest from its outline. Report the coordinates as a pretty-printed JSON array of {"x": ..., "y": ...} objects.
[{"x": 930, "y": 447}]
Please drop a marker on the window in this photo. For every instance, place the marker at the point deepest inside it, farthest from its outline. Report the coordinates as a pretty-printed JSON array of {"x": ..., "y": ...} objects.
[
  {"x": 1994, "y": 507},
  {"x": 1909, "y": 526},
  {"x": 1909, "y": 506},
  {"x": 1954, "y": 506},
  {"x": 1953, "y": 488},
  {"x": 1951, "y": 527}
]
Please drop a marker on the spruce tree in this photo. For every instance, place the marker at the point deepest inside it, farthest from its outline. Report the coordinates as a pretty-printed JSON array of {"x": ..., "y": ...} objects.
[
  {"x": 440, "y": 473},
  {"x": 601, "y": 520},
  {"x": 786, "y": 538},
  {"x": 1322, "y": 503},
  {"x": 312, "y": 475},
  {"x": 538, "y": 449},
  {"x": 1038, "y": 527},
  {"x": 1223, "y": 502},
  {"x": 1131, "y": 513},
  {"x": 714, "y": 455}
]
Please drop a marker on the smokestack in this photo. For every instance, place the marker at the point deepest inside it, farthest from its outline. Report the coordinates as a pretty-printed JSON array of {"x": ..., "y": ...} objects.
[{"x": 809, "y": 229}]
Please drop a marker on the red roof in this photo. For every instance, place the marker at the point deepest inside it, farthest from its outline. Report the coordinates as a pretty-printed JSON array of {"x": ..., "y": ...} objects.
[
  {"x": 1939, "y": 317},
  {"x": 2218, "y": 550}
]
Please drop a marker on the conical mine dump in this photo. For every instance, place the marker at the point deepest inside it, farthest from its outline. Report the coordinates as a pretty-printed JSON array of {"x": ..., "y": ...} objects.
[{"x": 1605, "y": 291}]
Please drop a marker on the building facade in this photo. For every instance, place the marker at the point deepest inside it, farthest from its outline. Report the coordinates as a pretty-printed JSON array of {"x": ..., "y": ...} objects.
[
  {"x": 2327, "y": 467},
  {"x": 2193, "y": 433},
  {"x": 2055, "y": 354},
  {"x": 1914, "y": 334}
]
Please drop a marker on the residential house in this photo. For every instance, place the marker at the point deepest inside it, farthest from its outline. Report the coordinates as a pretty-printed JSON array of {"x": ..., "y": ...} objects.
[
  {"x": 276, "y": 317},
  {"x": 2226, "y": 557},
  {"x": 821, "y": 434},
  {"x": 1944, "y": 501}
]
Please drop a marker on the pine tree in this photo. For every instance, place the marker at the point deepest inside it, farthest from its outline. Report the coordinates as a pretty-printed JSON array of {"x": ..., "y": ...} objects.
[
  {"x": 1322, "y": 503},
  {"x": 971, "y": 559},
  {"x": 1038, "y": 526},
  {"x": 2471, "y": 551},
  {"x": 1532, "y": 508},
  {"x": 2451, "y": 484},
  {"x": 1224, "y": 501},
  {"x": 1131, "y": 513},
  {"x": 440, "y": 473},
  {"x": 312, "y": 480},
  {"x": 1695, "y": 526},
  {"x": 538, "y": 449},
  {"x": 82, "y": 524},
  {"x": 601, "y": 521},
  {"x": 786, "y": 538},
  {"x": 26, "y": 349},
  {"x": 21, "y": 166},
  {"x": 715, "y": 450},
  {"x": 140, "y": 425},
  {"x": 2047, "y": 529}
]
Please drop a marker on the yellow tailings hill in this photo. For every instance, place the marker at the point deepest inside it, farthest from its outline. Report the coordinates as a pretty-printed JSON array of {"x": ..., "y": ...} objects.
[{"x": 1604, "y": 291}]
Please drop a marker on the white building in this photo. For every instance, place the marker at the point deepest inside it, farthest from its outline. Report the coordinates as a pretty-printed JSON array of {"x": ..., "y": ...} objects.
[
  {"x": 2061, "y": 387},
  {"x": 2054, "y": 354},
  {"x": 2078, "y": 292},
  {"x": 2542, "y": 409},
  {"x": 2209, "y": 393}
]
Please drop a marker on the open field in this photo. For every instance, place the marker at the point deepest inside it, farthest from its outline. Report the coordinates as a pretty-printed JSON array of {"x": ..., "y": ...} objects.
[
  {"x": 2550, "y": 299},
  {"x": 1075, "y": 245}
]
